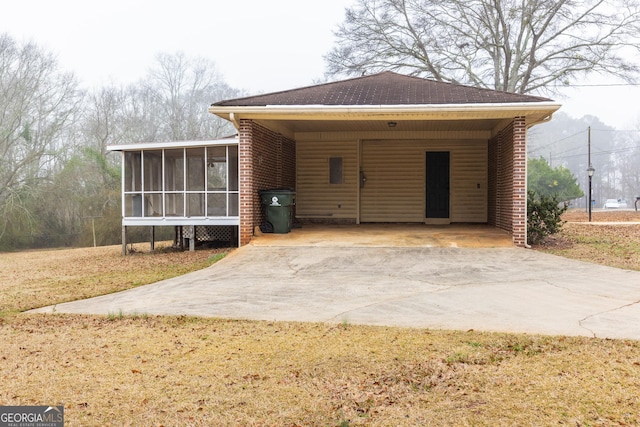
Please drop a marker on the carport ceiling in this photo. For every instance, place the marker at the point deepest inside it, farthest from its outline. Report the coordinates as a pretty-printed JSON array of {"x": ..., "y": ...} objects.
[{"x": 291, "y": 127}]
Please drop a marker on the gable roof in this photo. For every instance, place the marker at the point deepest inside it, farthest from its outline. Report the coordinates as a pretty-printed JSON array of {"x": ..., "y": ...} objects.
[{"x": 386, "y": 88}]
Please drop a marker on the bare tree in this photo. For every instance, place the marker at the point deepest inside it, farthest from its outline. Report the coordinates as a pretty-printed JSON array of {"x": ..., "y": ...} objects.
[
  {"x": 54, "y": 167},
  {"x": 103, "y": 123},
  {"x": 626, "y": 158},
  {"x": 520, "y": 46},
  {"x": 170, "y": 103},
  {"x": 182, "y": 89},
  {"x": 38, "y": 103}
]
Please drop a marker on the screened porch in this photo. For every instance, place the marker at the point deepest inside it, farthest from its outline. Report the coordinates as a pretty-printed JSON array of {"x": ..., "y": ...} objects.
[{"x": 191, "y": 185}]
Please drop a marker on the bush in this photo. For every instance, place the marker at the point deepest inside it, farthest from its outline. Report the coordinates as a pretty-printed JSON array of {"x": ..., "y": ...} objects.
[{"x": 544, "y": 216}]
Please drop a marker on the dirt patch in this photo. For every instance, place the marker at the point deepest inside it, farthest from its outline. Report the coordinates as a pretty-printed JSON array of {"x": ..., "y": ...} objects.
[{"x": 601, "y": 215}]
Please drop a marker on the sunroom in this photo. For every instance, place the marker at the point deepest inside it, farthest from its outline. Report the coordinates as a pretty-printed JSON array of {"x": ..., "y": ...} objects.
[{"x": 190, "y": 185}]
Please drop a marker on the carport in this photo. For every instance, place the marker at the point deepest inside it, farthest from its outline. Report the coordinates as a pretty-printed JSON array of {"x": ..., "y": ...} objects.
[{"x": 387, "y": 149}]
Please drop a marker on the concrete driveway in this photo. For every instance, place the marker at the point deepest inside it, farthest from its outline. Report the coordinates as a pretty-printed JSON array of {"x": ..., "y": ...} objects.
[{"x": 491, "y": 289}]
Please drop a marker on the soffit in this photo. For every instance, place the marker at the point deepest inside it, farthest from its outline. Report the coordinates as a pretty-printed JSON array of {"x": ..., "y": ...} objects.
[{"x": 292, "y": 119}]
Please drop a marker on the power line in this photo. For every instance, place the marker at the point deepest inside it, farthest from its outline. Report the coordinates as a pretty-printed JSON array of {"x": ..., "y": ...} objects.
[
  {"x": 534, "y": 150},
  {"x": 557, "y": 141},
  {"x": 600, "y": 153},
  {"x": 602, "y": 85},
  {"x": 570, "y": 149},
  {"x": 618, "y": 130}
]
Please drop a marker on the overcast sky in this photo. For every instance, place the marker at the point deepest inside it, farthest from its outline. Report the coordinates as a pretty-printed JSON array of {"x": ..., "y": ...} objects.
[{"x": 257, "y": 45}]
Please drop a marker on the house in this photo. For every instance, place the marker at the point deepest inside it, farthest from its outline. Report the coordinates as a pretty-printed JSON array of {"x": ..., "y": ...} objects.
[{"x": 387, "y": 148}]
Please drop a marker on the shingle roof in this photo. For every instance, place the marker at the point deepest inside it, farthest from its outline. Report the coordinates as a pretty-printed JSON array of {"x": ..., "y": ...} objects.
[{"x": 386, "y": 88}]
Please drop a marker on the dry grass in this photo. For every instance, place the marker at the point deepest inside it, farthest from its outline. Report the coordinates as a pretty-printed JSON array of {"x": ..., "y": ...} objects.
[
  {"x": 202, "y": 372},
  {"x": 153, "y": 371},
  {"x": 39, "y": 278},
  {"x": 607, "y": 244}
]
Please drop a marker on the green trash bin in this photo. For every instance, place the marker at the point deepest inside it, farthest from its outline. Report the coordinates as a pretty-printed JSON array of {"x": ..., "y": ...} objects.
[{"x": 278, "y": 205}]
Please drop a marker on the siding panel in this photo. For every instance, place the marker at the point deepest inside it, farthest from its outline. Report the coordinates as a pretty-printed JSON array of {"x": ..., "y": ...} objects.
[
  {"x": 315, "y": 196},
  {"x": 395, "y": 188},
  {"x": 394, "y": 191}
]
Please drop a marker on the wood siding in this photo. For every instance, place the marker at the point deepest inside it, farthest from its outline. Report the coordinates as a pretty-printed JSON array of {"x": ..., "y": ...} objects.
[
  {"x": 395, "y": 190},
  {"x": 315, "y": 196},
  {"x": 395, "y": 187}
]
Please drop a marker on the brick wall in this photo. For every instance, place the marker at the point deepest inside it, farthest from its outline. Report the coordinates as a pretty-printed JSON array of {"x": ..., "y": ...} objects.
[
  {"x": 267, "y": 161},
  {"x": 520, "y": 181},
  {"x": 507, "y": 194},
  {"x": 245, "y": 153},
  {"x": 500, "y": 180},
  {"x": 505, "y": 180}
]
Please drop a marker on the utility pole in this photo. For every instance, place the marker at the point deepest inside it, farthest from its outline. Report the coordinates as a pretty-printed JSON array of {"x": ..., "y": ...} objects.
[{"x": 590, "y": 169}]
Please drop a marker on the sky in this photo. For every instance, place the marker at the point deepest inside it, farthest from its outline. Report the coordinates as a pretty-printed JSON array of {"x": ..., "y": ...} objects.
[{"x": 260, "y": 46}]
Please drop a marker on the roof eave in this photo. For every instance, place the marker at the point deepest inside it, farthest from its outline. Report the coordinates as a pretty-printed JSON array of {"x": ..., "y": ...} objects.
[{"x": 431, "y": 111}]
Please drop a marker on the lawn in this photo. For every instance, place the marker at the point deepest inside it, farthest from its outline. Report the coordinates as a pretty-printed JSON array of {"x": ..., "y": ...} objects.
[
  {"x": 602, "y": 241},
  {"x": 168, "y": 371}
]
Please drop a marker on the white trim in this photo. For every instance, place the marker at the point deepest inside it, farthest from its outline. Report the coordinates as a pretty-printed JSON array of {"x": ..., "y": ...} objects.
[
  {"x": 174, "y": 221},
  {"x": 173, "y": 144},
  {"x": 162, "y": 184},
  {"x": 390, "y": 109},
  {"x": 122, "y": 182},
  {"x": 542, "y": 105},
  {"x": 143, "y": 203}
]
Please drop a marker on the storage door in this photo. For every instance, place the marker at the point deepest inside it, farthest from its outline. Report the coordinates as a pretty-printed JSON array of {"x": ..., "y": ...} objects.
[
  {"x": 392, "y": 182},
  {"x": 438, "y": 184}
]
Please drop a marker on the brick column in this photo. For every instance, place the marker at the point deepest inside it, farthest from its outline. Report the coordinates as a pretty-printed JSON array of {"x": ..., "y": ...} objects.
[
  {"x": 245, "y": 152},
  {"x": 519, "y": 225}
]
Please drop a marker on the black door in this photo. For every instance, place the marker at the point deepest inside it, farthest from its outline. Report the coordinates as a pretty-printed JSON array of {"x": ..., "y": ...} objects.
[{"x": 437, "y": 184}]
